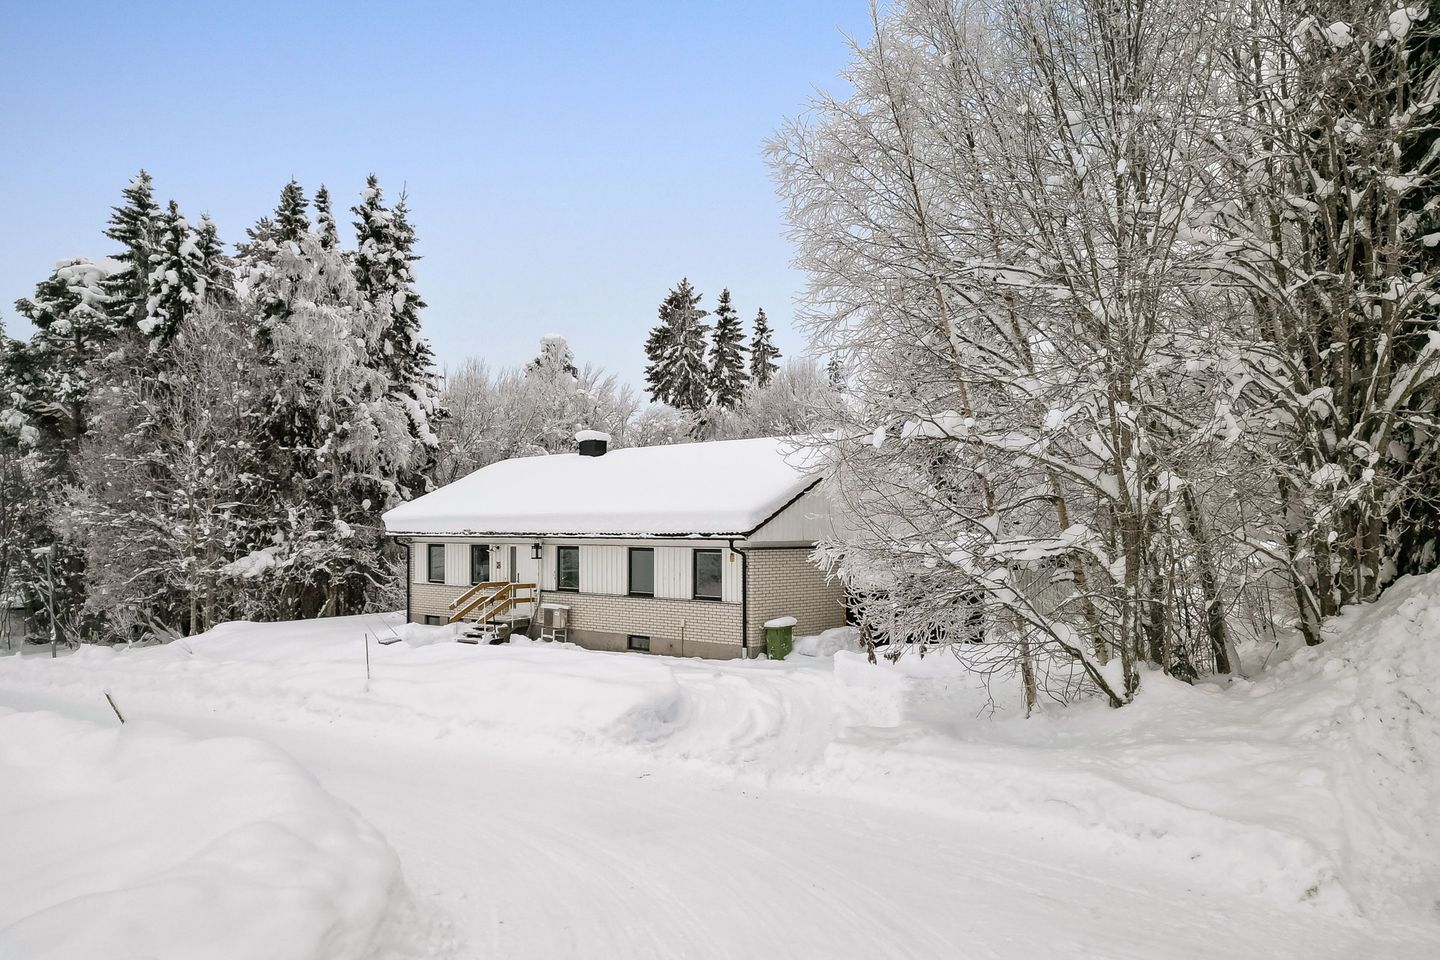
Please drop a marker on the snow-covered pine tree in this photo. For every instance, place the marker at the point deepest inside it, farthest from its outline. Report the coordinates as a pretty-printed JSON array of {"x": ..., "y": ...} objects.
[
  {"x": 135, "y": 225},
  {"x": 336, "y": 449},
  {"x": 258, "y": 239},
  {"x": 51, "y": 376},
  {"x": 384, "y": 276},
  {"x": 677, "y": 373},
  {"x": 763, "y": 352},
  {"x": 219, "y": 282},
  {"x": 177, "y": 282},
  {"x": 325, "y": 219},
  {"x": 727, "y": 360},
  {"x": 292, "y": 220}
]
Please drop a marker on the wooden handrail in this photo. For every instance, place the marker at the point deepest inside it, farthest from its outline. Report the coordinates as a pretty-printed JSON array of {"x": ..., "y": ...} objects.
[
  {"x": 474, "y": 588},
  {"x": 503, "y": 599}
]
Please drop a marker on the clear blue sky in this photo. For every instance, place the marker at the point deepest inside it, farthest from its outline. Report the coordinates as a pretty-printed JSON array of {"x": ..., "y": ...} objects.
[{"x": 566, "y": 163}]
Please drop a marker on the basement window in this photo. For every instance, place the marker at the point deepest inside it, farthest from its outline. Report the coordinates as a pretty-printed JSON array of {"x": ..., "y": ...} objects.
[
  {"x": 434, "y": 621},
  {"x": 633, "y": 642}
]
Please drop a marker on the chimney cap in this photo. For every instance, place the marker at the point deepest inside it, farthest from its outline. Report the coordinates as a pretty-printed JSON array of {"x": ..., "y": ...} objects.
[{"x": 592, "y": 443}]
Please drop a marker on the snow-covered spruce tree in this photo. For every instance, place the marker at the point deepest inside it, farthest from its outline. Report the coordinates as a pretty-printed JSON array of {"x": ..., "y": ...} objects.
[
  {"x": 258, "y": 239},
  {"x": 727, "y": 360},
  {"x": 177, "y": 281},
  {"x": 325, "y": 220},
  {"x": 292, "y": 219},
  {"x": 384, "y": 275},
  {"x": 763, "y": 352},
  {"x": 996, "y": 228},
  {"x": 135, "y": 225},
  {"x": 334, "y": 442},
  {"x": 677, "y": 374},
  {"x": 215, "y": 265},
  {"x": 1332, "y": 239}
]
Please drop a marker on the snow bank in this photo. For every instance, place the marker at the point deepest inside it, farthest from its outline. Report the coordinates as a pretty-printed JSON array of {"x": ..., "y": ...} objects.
[
  {"x": 1312, "y": 785},
  {"x": 828, "y": 643},
  {"x": 138, "y": 841}
]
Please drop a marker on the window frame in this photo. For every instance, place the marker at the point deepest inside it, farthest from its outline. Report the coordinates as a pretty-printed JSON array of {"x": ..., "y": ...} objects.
[
  {"x": 479, "y": 546},
  {"x": 431, "y": 620},
  {"x": 638, "y": 642},
  {"x": 560, "y": 552},
  {"x": 430, "y": 555},
  {"x": 630, "y": 590},
  {"x": 695, "y": 575}
]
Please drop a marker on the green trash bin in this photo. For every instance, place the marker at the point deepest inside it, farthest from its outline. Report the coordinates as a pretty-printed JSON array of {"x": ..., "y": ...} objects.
[{"x": 779, "y": 639}]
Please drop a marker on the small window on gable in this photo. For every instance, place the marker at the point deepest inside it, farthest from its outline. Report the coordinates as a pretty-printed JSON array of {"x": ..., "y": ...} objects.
[
  {"x": 642, "y": 572},
  {"x": 567, "y": 568},
  {"x": 633, "y": 642},
  {"x": 479, "y": 562},
  {"x": 435, "y": 562},
  {"x": 707, "y": 574}
]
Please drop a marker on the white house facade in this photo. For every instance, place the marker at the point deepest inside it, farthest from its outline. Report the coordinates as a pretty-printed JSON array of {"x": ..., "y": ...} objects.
[{"x": 684, "y": 550}]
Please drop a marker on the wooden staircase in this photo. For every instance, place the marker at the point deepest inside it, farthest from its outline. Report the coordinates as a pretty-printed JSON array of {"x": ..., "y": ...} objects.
[{"x": 497, "y": 608}]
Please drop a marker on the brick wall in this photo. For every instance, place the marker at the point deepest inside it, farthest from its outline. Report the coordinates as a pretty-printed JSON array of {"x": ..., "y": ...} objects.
[
  {"x": 785, "y": 583},
  {"x": 686, "y": 628},
  {"x": 779, "y": 582},
  {"x": 432, "y": 599}
]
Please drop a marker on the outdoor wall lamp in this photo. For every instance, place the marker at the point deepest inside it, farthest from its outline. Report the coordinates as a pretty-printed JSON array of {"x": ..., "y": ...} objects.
[{"x": 535, "y": 551}]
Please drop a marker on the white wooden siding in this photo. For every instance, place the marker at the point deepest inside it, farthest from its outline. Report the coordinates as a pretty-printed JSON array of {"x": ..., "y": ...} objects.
[
  {"x": 604, "y": 569},
  {"x": 807, "y": 520},
  {"x": 457, "y": 561}
]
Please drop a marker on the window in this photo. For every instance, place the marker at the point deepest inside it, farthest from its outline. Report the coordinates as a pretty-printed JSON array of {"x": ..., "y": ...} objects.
[
  {"x": 642, "y": 572},
  {"x": 633, "y": 642},
  {"x": 435, "y": 562},
  {"x": 567, "y": 568},
  {"x": 479, "y": 562},
  {"x": 707, "y": 574},
  {"x": 433, "y": 621}
]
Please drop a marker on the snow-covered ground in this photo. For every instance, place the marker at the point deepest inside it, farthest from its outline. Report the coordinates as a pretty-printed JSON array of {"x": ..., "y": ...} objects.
[
  {"x": 546, "y": 801},
  {"x": 144, "y": 842}
]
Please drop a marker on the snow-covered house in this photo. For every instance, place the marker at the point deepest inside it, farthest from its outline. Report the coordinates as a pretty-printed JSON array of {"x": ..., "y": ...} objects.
[{"x": 685, "y": 549}]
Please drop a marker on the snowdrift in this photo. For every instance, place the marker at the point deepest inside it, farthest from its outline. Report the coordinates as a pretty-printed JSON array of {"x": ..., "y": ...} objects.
[
  {"x": 1315, "y": 783},
  {"x": 142, "y": 842}
]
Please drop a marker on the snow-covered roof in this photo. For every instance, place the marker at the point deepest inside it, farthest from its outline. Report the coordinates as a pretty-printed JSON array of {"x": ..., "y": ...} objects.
[{"x": 719, "y": 488}]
